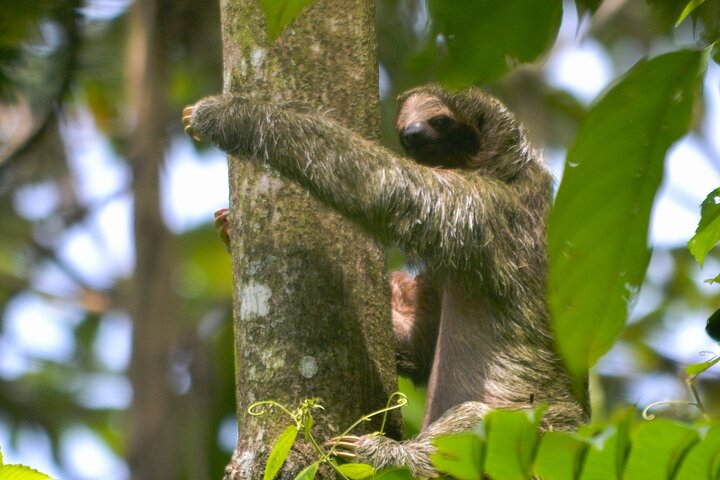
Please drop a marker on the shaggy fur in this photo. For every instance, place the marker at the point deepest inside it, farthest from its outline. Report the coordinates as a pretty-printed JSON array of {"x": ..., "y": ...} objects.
[{"x": 469, "y": 207}]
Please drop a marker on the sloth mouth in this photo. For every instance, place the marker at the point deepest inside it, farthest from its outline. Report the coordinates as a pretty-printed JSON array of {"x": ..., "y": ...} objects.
[
  {"x": 427, "y": 144},
  {"x": 437, "y": 154},
  {"x": 444, "y": 152},
  {"x": 429, "y": 148}
]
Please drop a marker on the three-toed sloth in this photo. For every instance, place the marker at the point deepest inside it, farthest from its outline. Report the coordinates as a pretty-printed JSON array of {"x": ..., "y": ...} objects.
[{"x": 469, "y": 206}]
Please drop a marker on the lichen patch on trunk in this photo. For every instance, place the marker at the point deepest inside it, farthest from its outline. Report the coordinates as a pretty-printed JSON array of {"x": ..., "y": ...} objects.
[{"x": 255, "y": 300}]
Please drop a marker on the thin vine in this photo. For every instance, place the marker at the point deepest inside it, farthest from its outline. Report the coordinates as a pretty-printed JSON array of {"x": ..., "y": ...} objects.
[{"x": 303, "y": 421}]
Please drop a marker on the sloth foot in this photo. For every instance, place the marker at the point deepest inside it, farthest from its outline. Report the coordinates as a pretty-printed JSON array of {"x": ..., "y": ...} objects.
[
  {"x": 222, "y": 225},
  {"x": 382, "y": 452}
]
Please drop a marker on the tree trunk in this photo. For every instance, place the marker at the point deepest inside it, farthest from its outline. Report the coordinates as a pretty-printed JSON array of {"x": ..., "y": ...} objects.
[
  {"x": 154, "y": 427},
  {"x": 312, "y": 316}
]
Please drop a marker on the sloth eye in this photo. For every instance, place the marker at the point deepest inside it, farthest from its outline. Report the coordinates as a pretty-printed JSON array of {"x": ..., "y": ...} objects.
[{"x": 441, "y": 122}]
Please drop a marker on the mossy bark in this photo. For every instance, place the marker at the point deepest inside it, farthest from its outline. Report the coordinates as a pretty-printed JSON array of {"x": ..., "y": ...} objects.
[{"x": 312, "y": 316}]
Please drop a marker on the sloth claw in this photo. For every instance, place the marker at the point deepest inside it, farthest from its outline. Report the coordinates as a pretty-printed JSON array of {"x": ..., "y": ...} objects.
[
  {"x": 344, "y": 447},
  {"x": 345, "y": 440},
  {"x": 186, "y": 118},
  {"x": 350, "y": 457}
]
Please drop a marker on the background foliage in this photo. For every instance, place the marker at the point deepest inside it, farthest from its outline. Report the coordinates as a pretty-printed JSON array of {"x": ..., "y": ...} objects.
[{"x": 65, "y": 255}]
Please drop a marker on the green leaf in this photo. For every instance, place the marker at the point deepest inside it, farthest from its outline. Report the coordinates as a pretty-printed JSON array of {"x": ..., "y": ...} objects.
[
  {"x": 394, "y": 474},
  {"x": 598, "y": 227},
  {"x": 474, "y": 42},
  {"x": 707, "y": 234},
  {"x": 280, "y": 451},
  {"x": 356, "y": 471},
  {"x": 696, "y": 369},
  {"x": 279, "y": 14},
  {"x": 699, "y": 462},
  {"x": 657, "y": 447},
  {"x": 21, "y": 472},
  {"x": 1, "y": 457},
  {"x": 459, "y": 456},
  {"x": 308, "y": 473},
  {"x": 712, "y": 328},
  {"x": 605, "y": 459},
  {"x": 308, "y": 424},
  {"x": 559, "y": 456},
  {"x": 511, "y": 441},
  {"x": 692, "y": 5},
  {"x": 600, "y": 459}
]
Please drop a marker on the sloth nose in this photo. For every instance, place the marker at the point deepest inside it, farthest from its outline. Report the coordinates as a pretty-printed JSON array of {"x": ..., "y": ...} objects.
[{"x": 417, "y": 133}]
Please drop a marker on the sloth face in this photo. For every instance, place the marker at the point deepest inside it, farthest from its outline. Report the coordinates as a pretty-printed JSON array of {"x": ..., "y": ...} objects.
[{"x": 433, "y": 135}]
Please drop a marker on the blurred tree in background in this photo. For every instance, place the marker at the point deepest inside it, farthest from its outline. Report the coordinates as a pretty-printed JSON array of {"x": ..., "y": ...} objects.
[{"x": 104, "y": 216}]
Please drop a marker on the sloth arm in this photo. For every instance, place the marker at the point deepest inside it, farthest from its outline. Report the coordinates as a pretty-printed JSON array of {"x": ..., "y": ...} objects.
[{"x": 452, "y": 220}]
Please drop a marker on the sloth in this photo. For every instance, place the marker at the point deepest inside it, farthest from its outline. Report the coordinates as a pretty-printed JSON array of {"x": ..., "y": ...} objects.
[{"x": 468, "y": 205}]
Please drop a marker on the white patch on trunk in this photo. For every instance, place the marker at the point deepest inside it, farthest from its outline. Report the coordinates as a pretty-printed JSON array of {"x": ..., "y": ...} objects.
[
  {"x": 308, "y": 367},
  {"x": 254, "y": 300}
]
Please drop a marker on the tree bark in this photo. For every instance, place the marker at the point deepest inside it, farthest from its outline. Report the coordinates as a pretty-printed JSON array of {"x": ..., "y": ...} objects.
[{"x": 312, "y": 315}]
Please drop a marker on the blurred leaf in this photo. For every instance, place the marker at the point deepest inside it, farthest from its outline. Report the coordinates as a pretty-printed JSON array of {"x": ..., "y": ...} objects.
[
  {"x": 712, "y": 328},
  {"x": 587, "y": 5},
  {"x": 695, "y": 369},
  {"x": 474, "y": 42},
  {"x": 559, "y": 456},
  {"x": 692, "y": 5},
  {"x": 707, "y": 234},
  {"x": 100, "y": 78},
  {"x": 657, "y": 447},
  {"x": 698, "y": 463},
  {"x": 206, "y": 269},
  {"x": 280, "y": 451},
  {"x": 102, "y": 103},
  {"x": 460, "y": 456},
  {"x": 279, "y": 14},
  {"x": 511, "y": 440},
  {"x": 16, "y": 26},
  {"x": 85, "y": 333},
  {"x": 598, "y": 228},
  {"x": 712, "y": 280},
  {"x": 667, "y": 11},
  {"x": 356, "y": 471},
  {"x": 308, "y": 473},
  {"x": 21, "y": 472}
]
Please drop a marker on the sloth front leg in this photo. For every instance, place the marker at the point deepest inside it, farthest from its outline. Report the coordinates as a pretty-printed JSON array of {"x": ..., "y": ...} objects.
[{"x": 432, "y": 214}]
